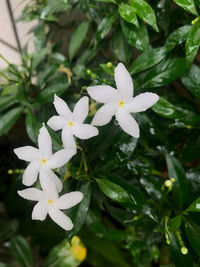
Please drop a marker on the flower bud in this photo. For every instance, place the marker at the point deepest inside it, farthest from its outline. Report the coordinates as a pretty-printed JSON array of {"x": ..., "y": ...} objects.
[{"x": 184, "y": 250}]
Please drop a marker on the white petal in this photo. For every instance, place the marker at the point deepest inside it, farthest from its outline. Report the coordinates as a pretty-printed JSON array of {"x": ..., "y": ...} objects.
[
  {"x": 142, "y": 102},
  {"x": 44, "y": 142},
  {"x": 123, "y": 81},
  {"x": 127, "y": 123},
  {"x": 60, "y": 158},
  {"x": 31, "y": 173},
  {"x": 103, "y": 93},
  {"x": 84, "y": 131},
  {"x": 32, "y": 194},
  {"x": 68, "y": 138},
  {"x": 40, "y": 211},
  {"x": 60, "y": 218},
  {"x": 50, "y": 183},
  {"x": 56, "y": 123},
  {"x": 81, "y": 109},
  {"x": 27, "y": 153},
  {"x": 62, "y": 108},
  {"x": 104, "y": 115},
  {"x": 69, "y": 200}
]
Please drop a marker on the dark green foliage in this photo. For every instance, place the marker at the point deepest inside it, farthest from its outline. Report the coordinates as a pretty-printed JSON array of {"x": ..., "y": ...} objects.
[{"x": 141, "y": 196}]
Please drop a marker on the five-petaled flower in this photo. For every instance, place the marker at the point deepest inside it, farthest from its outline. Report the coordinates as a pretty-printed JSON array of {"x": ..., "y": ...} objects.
[
  {"x": 120, "y": 102},
  {"x": 50, "y": 203},
  {"x": 42, "y": 161},
  {"x": 71, "y": 123}
]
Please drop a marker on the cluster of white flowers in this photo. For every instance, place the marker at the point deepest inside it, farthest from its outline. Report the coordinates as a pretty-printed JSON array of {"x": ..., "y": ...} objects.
[{"x": 118, "y": 102}]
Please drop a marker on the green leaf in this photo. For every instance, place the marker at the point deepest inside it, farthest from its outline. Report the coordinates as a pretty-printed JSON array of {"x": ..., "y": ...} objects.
[
  {"x": 39, "y": 56},
  {"x": 21, "y": 251},
  {"x": 114, "y": 191},
  {"x": 8, "y": 119},
  {"x": 106, "y": 1},
  {"x": 32, "y": 126},
  {"x": 77, "y": 38},
  {"x": 192, "y": 43},
  {"x": 165, "y": 109},
  {"x": 127, "y": 12},
  {"x": 179, "y": 36},
  {"x": 145, "y": 12},
  {"x": 148, "y": 59},
  {"x": 105, "y": 26},
  {"x": 137, "y": 37},
  {"x": 195, "y": 206},
  {"x": 175, "y": 223},
  {"x": 165, "y": 72},
  {"x": 6, "y": 101},
  {"x": 188, "y": 5},
  {"x": 193, "y": 234},
  {"x": 78, "y": 213},
  {"x": 180, "y": 187},
  {"x": 192, "y": 80}
]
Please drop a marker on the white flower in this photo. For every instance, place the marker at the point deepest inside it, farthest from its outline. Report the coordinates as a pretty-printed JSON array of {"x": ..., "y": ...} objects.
[
  {"x": 42, "y": 161},
  {"x": 50, "y": 203},
  {"x": 120, "y": 102},
  {"x": 71, "y": 123}
]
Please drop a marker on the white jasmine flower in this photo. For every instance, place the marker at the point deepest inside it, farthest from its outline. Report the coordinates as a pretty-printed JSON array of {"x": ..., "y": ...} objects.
[
  {"x": 50, "y": 203},
  {"x": 42, "y": 161},
  {"x": 120, "y": 102},
  {"x": 71, "y": 123}
]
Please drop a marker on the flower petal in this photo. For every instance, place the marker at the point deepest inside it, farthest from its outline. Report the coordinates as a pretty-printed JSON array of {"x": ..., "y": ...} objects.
[
  {"x": 31, "y": 173},
  {"x": 69, "y": 200},
  {"x": 44, "y": 142},
  {"x": 127, "y": 123},
  {"x": 123, "y": 81},
  {"x": 103, "y": 93},
  {"x": 56, "y": 123},
  {"x": 81, "y": 109},
  {"x": 60, "y": 218},
  {"x": 84, "y": 131},
  {"x": 104, "y": 115},
  {"x": 59, "y": 159},
  {"x": 40, "y": 211},
  {"x": 50, "y": 183},
  {"x": 62, "y": 108},
  {"x": 32, "y": 194},
  {"x": 142, "y": 102},
  {"x": 68, "y": 138},
  {"x": 27, "y": 153}
]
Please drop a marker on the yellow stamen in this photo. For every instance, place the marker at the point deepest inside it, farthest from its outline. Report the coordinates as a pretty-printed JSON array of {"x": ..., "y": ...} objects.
[
  {"x": 43, "y": 161},
  {"x": 70, "y": 124},
  {"x": 121, "y": 103},
  {"x": 50, "y": 202}
]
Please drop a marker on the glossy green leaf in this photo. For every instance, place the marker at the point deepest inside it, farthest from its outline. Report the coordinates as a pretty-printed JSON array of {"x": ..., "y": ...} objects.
[
  {"x": 127, "y": 12},
  {"x": 32, "y": 126},
  {"x": 192, "y": 43},
  {"x": 179, "y": 36},
  {"x": 165, "y": 72},
  {"x": 8, "y": 119},
  {"x": 7, "y": 101},
  {"x": 180, "y": 186},
  {"x": 105, "y": 26},
  {"x": 145, "y": 12},
  {"x": 188, "y": 5},
  {"x": 193, "y": 234},
  {"x": 165, "y": 109},
  {"x": 148, "y": 59},
  {"x": 114, "y": 191},
  {"x": 136, "y": 37},
  {"x": 77, "y": 38},
  {"x": 21, "y": 251},
  {"x": 195, "y": 206},
  {"x": 192, "y": 80},
  {"x": 120, "y": 47}
]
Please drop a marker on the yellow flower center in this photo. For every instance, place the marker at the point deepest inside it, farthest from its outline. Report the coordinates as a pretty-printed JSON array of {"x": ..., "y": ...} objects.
[
  {"x": 121, "y": 103},
  {"x": 43, "y": 161},
  {"x": 50, "y": 202},
  {"x": 70, "y": 124},
  {"x": 79, "y": 252}
]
